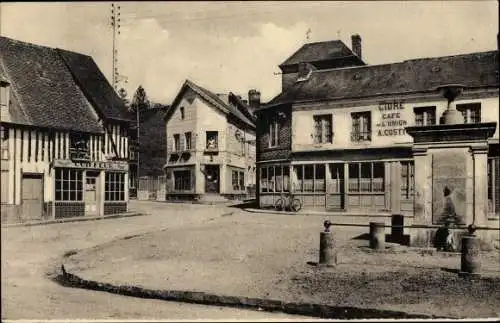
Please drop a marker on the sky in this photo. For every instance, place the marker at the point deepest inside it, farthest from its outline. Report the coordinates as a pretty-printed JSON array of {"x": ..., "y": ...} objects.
[{"x": 237, "y": 46}]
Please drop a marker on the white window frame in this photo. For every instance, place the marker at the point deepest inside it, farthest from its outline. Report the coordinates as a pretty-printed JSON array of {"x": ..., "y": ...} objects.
[
  {"x": 425, "y": 112},
  {"x": 188, "y": 136},
  {"x": 466, "y": 110},
  {"x": 273, "y": 134},
  {"x": 326, "y": 133},
  {"x": 177, "y": 142},
  {"x": 360, "y": 135}
]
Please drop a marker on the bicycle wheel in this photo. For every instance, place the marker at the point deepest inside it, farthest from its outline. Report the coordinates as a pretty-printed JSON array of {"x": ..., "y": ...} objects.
[
  {"x": 279, "y": 204},
  {"x": 296, "y": 205}
]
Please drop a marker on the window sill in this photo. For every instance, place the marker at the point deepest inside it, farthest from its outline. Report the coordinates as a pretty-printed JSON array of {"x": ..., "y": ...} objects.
[
  {"x": 493, "y": 216},
  {"x": 366, "y": 193},
  {"x": 309, "y": 193},
  {"x": 62, "y": 201}
]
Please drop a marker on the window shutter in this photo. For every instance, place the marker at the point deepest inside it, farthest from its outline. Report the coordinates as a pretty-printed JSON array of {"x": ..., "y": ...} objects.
[
  {"x": 182, "y": 142},
  {"x": 170, "y": 146},
  {"x": 317, "y": 130}
]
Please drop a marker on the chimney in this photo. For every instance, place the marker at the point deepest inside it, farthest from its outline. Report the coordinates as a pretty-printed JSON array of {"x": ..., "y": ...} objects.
[
  {"x": 356, "y": 45},
  {"x": 253, "y": 100}
]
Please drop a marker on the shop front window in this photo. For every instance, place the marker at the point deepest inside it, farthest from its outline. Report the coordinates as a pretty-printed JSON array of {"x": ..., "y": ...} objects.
[
  {"x": 407, "y": 180},
  {"x": 310, "y": 178},
  {"x": 69, "y": 185},
  {"x": 182, "y": 180},
  {"x": 274, "y": 178},
  {"x": 114, "y": 189},
  {"x": 366, "y": 177},
  {"x": 238, "y": 180}
]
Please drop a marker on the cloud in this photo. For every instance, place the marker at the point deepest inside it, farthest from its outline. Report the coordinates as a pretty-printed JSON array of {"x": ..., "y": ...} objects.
[
  {"x": 243, "y": 50},
  {"x": 222, "y": 64}
]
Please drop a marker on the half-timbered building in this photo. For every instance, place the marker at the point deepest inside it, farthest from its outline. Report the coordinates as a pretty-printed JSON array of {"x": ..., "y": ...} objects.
[{"x": 64, "y": 146}]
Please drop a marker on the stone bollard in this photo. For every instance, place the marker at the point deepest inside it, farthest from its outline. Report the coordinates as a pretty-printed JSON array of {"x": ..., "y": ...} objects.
[
  {"x": 327, "y": 252},
  {"x": 377, "y": 235},
  {"x": 470, "y": 258}
]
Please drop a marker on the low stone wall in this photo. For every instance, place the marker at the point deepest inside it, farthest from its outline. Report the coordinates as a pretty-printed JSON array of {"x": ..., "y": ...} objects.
[
  {"x": 270, "y": 305},
  {"x": 115, "y": 207},
  {"x": 69, "y": 209},
  {"x": 10, "y": 213},
  {"x": 173, "y": 197}
]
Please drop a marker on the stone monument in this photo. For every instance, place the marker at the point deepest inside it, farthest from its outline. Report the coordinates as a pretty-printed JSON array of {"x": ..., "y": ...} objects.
[{"x": 450, "y": 171}]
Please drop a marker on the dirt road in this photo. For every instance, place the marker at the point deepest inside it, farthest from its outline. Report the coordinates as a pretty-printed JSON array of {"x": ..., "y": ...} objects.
[{"x": 29, "y": 252}]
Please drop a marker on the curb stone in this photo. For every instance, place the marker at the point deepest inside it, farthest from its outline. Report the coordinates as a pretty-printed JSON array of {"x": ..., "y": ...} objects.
[
  {"x": 306, "y": 309},
  {"x": 75, "y": 219}
]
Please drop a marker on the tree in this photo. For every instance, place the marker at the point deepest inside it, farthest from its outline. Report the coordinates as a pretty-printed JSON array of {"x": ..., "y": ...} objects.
[
  {"x": 123, "y": 95},
  {"x": 140, "y": 100}
]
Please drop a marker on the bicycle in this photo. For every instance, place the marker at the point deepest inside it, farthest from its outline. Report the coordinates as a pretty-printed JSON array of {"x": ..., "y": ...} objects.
[{"x": 288, "y": 202}]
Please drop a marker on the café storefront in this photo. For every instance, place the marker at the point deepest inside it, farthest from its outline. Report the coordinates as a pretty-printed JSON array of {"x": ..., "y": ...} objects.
[{"x": 90, "y": 188}]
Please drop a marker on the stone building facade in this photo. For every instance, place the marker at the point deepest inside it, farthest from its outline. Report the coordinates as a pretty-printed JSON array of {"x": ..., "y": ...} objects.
[
  {"x": 210, "y": 145},
  {"x": 356, "y": 139}
]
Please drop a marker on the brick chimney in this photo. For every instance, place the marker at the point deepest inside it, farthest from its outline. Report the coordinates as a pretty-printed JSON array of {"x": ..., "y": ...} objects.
[
  {"x": 356, "y": 45},
  {"x": 253, "y": 99}
]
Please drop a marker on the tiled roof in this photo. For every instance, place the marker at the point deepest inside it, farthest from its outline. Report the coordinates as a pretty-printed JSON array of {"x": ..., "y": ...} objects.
[
  {"x": 44, "y": 88},
  {"x": 218, "y": 102},
  {"x": 95, "y": 85},
  {"x": 319, "y": 51},
  {"x": 411, "y": 76},
  {"x": 243, "y": 107}
]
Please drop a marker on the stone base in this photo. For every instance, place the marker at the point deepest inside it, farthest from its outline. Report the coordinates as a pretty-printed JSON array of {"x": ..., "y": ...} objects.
[
  {"x": 469, "y": 275},
  {"x": 424, "y": 238}
]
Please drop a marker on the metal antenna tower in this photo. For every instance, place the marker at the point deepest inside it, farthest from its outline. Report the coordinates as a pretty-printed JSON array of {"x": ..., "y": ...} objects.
[{"x": 115, "y": 24}]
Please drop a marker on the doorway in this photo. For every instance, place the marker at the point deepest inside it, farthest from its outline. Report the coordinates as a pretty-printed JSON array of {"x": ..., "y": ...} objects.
[
  {"x": 32, "y": 196},
  {"x": 91, "y": 200},
  {"x": 336, "y": 192},
  {"x": 212, "y": 178}
]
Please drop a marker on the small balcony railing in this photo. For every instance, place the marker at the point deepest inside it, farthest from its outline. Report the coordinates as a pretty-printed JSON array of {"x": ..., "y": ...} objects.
[{"x": 361, "y": 136}]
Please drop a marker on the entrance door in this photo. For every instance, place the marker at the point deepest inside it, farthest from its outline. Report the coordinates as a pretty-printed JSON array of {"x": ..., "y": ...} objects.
[
  {"x": 212, "y": 178},
  {"x": 32, "y": 197},
  {"x": 91, "y": 208},
  {"x": 335, "y": 199}
]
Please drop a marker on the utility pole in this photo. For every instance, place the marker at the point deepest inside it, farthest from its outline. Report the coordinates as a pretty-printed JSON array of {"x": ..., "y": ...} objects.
[{"x": 115, "y": 24}]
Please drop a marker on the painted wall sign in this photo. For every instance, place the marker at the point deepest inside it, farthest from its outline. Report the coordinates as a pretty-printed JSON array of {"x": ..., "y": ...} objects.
[
  {"x": 391, "y": 123},
  {"x": 122, "y": 166}
]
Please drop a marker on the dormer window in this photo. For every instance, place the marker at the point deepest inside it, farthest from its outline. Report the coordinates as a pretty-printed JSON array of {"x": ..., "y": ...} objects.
[{"x": 305, "y": 71}]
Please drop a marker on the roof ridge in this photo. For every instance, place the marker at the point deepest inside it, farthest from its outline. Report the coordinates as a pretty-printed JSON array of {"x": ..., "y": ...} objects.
[
  {"x": 25, "y": 43},
  {"x": 397, "y": 63},
  {"x": 57, "y": 49}
]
